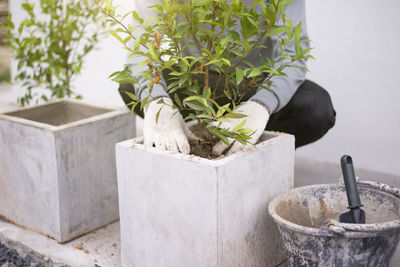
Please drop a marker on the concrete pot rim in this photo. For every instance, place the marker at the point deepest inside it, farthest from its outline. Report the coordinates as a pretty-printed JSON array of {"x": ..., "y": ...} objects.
[
  {"x": 271, "y": 138},
  {"x": 111, "y": 113}
]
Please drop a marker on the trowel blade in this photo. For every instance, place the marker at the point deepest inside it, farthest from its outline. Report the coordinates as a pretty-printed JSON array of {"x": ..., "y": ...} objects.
[{"x": 356, "y": 215}]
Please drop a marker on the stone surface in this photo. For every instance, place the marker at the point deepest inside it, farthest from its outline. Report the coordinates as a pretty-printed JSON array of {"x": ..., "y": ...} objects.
[
  {"x": 10, "y": 257},
  {"x": 182, "y": 210},
  {"x": 100, "y": 248},
  {"x": 61, "y": 180}
]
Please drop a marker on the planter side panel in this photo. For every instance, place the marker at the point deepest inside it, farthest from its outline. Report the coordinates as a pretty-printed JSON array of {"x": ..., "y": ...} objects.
[
  {"x": 28, "y": 177},
  {"x": 247, "y": 235},
  {"x": 168, "y": 209},
  {"x": 87, "y": 173}
]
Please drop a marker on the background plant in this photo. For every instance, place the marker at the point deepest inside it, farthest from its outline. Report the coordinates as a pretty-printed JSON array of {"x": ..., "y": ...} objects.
[
  {"x": 50, "y": 45},
  {"x": 212, "y": 27}
]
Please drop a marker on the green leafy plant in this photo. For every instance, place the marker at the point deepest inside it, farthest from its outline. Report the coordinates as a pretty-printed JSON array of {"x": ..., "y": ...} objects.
[
  {"x": 211, "y": 27},
  {"x": 50, "y": 45}
]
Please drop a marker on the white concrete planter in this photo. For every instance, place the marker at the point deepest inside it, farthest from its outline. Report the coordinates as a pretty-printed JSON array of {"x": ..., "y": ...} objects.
[
  {"x": 57, "y": 167},
  {"x": 180, "y": 210}
]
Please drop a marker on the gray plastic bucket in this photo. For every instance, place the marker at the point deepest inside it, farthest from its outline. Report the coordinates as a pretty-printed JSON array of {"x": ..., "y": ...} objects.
[{"x": 312, "y": 240}]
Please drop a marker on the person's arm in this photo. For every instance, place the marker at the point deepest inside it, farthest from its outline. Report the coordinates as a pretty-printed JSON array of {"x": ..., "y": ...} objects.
[
  {"x": 141, "y": 87},
  {"x": 169, "y": 132},
  {"x": 283, "y": 88}
]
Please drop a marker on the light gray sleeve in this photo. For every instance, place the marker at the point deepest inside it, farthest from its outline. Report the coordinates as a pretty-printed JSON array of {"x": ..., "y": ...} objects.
[
  {"x": 141, "y": 87},
  {"x": 283, "y": 88}
]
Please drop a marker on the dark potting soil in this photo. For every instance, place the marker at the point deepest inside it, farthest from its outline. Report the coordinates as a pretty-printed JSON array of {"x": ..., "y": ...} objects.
[
  {"x": 204, "y": 149},
  {"x": 13, "y": 259}
]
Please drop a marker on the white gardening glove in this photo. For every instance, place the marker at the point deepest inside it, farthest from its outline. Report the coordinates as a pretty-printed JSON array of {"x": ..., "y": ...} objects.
[
  {"x": 170, "y": 133},
  {"x": 256, "y": 119}
]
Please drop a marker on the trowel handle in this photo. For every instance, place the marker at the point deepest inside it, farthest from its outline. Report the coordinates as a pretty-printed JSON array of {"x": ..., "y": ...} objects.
[{"x": 350, "y": 183}]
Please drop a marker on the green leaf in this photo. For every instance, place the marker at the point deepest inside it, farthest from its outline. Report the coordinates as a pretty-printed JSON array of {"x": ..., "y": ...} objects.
[
  {"x": 113, "y": 74},
  {"x": 245, "y": 131},
  {"x": 191, "y": 98},
  {"x": 228, "y": 94},
  {"x": 236, "y": 4},
  {"x": 137, "y": 17},
  {"x": 239, "y": 126},
  {"x": 238, "y": 52},
  {"x": 205, "y": 3},
  {"x": 20, "y": 64},
  {"x": 158, "y": 114},
  {"x": 114, "y": 33},
  {"x": 152, "y": 51},
  {"x": 195, "y": 106},
  {"x": 297, "y": 32},
  {"x": 204, "y": 115},
  {"x": 235, "y": 115},
  {"x": 131, "y": 95},
  {"x": 178, "y": 100},
  {"x": 226, "y": 61},
  {"x": 137, "y": 44},
  {"x": 124, "y": 76},
  {"x": 255, "y": 73},
  {"x": 240, "y": 73},
  {"x": 256, "y": 2},
  {"x": 275, "y": 30},
  {"x": 216, "y": 131}
]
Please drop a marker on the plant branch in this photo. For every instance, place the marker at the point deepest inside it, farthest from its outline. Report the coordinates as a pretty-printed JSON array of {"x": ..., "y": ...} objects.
[{"x": 127, "y": 31}]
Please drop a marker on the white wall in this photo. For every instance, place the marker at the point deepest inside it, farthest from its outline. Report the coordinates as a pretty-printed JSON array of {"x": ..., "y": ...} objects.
[
  {"x": 357, "y": 61},
  {"x": 357, "y": 51}
]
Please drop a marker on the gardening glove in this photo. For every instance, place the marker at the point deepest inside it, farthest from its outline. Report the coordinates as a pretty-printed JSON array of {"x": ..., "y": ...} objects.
[
  {"x": 256, "y": 118},
  {"x": 170, "y": 132}
]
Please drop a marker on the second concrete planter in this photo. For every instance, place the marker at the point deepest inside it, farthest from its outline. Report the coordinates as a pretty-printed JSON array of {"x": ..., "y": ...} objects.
[
  {"x": 181, "y": 210},
  {"x": 57, "y": 167}
]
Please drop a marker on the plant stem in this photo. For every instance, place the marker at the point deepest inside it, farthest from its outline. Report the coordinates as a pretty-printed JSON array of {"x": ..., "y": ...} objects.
[
  {"x": 188, "y": 17},
  {"x": 119, "y": 22},
  {"x": 173, "y": 39},
  {"x": 209, "y": 47},
  {"x": 254, "y": 45}
]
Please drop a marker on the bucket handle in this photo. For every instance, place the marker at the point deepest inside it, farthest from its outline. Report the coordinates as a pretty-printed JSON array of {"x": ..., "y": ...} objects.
[
  {"x": 375, "y": 185},
  {"x": 380, "y": 186},
  {"x": 348, "y": 229},
  {"x": 343, "y": 228}
]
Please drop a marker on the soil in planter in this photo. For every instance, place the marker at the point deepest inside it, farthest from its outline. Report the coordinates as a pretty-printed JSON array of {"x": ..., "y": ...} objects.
[
  {"x": 10, "y": 257},
  {"x": 204, "y": 149}
]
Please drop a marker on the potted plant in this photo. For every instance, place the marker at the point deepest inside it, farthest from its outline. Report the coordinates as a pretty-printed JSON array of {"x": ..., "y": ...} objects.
[
  {"x": 57, "y": 160},
  {"x": 184, "y": 210}
]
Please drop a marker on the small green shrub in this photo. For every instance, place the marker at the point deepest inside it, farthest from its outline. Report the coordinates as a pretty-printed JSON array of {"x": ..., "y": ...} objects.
[
  {"x": 211, "y": 27},
  {"x": 50, "y": 48}
]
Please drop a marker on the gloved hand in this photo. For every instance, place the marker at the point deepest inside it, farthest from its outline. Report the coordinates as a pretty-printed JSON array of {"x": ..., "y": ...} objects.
[
  {"x": 170, "y": 133},
  {"x": 256, "y": 119}
]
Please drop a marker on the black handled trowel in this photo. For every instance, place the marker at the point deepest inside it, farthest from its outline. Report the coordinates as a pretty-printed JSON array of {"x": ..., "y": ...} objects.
[{"x": 355, "y": 215}]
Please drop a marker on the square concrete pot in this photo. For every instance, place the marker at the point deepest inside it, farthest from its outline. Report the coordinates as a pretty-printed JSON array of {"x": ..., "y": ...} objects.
[
  {"x": 181, "y": 210},
  {"x": 57, "y": 167}
]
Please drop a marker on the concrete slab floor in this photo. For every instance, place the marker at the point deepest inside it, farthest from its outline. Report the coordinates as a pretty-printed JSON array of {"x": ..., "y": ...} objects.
[{"x": 100, "y": 248}]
